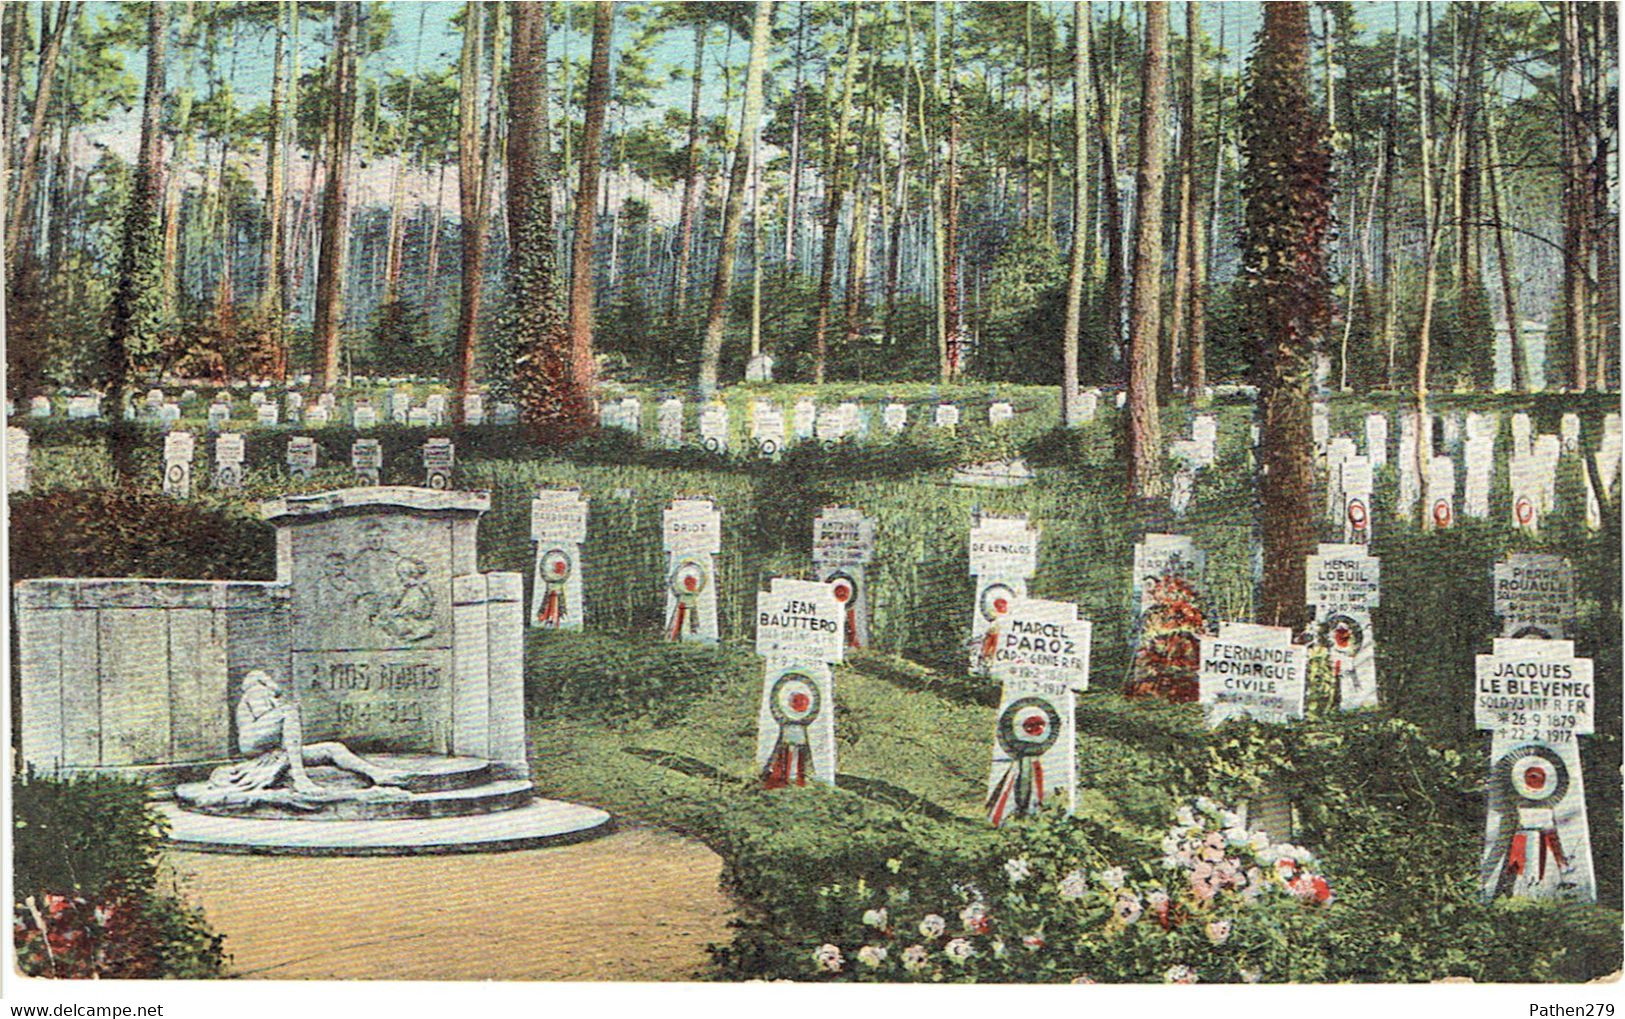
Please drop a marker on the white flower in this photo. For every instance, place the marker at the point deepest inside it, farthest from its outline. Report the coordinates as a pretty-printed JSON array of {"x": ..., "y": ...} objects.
[
  {"x": 875, "y": 918},
  {"x": 1218, "y": 931},
  {"x": 829, "y": 957},
  {"x": 1251, "y": 976},
  {"x": 1208, "y": 806},
  {"x": 998, "y": 948},
  {"x": 1230, "y": 819},
  {"x": 1074, "y": 885},
  {"x": 872, "y": 955},
  {"x": 974, "y": 918},
  {"x": 933, "y": 925},
  {"x": 1179, "y": 975},
  {"x": 1237, "y": 835},
  {"x": 1258, "y": 842},
  {"x": 1017, "y": 870},
  {"x": 1127, "y": 908},
  {"x": 1156, "y": 898},
  {"x": 1170, "y": 843},
  {"x": 1112, "y": 877},
  {"x": 958, "y": 950},
  {"x": 1302, "y": 855},
  {"x": 914, "y": 958},
  {"x": 1186, "y": 817}
]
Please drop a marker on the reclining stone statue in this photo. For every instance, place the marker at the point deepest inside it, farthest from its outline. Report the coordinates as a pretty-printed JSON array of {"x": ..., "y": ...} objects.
[{"x": 270, "y": 735}]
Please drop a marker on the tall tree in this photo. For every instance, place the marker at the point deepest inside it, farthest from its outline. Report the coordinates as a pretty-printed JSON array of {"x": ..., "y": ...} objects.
[
  {"x": 51, "y": 40},
  {"x": 592, "y": 133},
  {"x": 834, "y": 195},
  {"x": 1145, "y": 311},
  {"x": 271, "y": 296},
  {"x": 553, "y": 407},
  {"x": 137, "y": 307},
  {"x": 1081, "y": 16},
  {"x": 691, "y": 175},
  {"x": 330, "y": 265},
  {"x": 1286, "y": 291},
  {"x": 1195, "y": 329},
  {"x": 1108, "y": 111},
  {"x": 716, "y": 318},
  {"x": 1576, "y": 194}
]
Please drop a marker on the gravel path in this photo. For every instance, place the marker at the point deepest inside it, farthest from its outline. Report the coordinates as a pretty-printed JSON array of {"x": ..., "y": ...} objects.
[{"x": 640, "y": 904}]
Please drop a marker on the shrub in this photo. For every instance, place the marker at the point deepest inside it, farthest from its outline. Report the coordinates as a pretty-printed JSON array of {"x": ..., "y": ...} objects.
[
  {"x": 85, "y": 853},
  {"x": 134, "y": 533}
]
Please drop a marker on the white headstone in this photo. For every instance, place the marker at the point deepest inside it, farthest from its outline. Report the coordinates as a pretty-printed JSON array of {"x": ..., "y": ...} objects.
[
  {"x": 714, "y": 427},
  {"x": 895, "y": 417},
  {"x": 1003, "y": 555},
  {"x": 367, "y": 460},
  {"x": 767, "y": 428},
  {"x": 317, "y": 416},
  {"x": 1534, "y": 595},
  {"x": 228, "y": 461},
  {"x": 759, "y": 368},
  {"x": 83, "y": 407},
  {"x": 1088, "y": 404},
  {"x": 843, "y": 545},
  {"x": 1441, "y": 500},
  {"x": 832, "y": 422},
  {"x": 435, "y": 405},
  {"x": 805, "y": 419},
  {"x": 1343, "y": 583},
  {"x": 998, "y": 413},
  {"x": 1524, "y": 475},
  {"x": 1409, "y": 478},
  {"x": 1338, "y": 451},
  {"x": 474, "y": 409},
  {"x": 669, "y": 422},
  {"x": 1356, "y": 485},
  {"x": 558, "y": 526},
  {"x": 219, "y": 416},
  {"x": 1160, "y": 555},
  {"x": 364, "y": 417},
  {"x": 798, "y": 633},
  {"x": 1522, "y": 429},
  {"x": 256, "y": 398},
  {"x": 16, "y": 460},
  {"x": 1376, "y": 439},
  {"x": 419, "y": 417},
  {"x": 1254, "y": 671},
  {"x": 1547, "y": 450},
  {"x": 178, "y": 448},
  {"x": 301, "y": 457},
  {"x": 439, "y": 459},
  {"x": 947, "y": 415},
  {"x": 1034, "y": 750},
  {"x": 504, "y": 414},
  {"x": 1536, "y": 698},
  {"x": 295, "y": 403},
  {"x": 267, "y": 414},
  {"x": 692, "y": 532},
  {"x": 1479, "y": 455},
  {"x": 39, "y": 407}
]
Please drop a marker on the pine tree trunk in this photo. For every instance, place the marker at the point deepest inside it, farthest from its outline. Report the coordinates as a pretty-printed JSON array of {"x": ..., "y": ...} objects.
[
  {"x": 1077, "y": 266},
  {"x": 717, "y": 316},
  {"x": 50, "y": 51},
  {"x": 335, "y": 241},
  {"x": 271, "y": 254},
  {"x": 582, "y": 366},
  {"x": 834, "y": 195},
  {"x": 1106, "y": 122},
  {"x": 1576, "y": 194},
  {"x": 691, "y": 181},
  {"x": 1503, "y": 259},
  {"x": 1144, "y": 429}
]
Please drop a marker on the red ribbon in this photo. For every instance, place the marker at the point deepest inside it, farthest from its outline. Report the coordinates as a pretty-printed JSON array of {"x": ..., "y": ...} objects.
[
  {"x": 852, "y": 627},
  {"x": 677, "y": 618},
  {"x": 990, "y": 645},
  {"x": 552, "y": 609},
  {"x": 1518, "y": 854}
]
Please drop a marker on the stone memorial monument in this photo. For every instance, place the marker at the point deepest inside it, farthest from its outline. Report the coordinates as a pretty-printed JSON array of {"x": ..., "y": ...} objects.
[
  {"x": 998, "y": 413},
  {"x": 692, "y": 532},
  {"x": 759, "y": 368},
  {"x": 219, "y": 416},
  {"x": 800, "y": 632},
  {"x": 39, "y": 407},
  {"x": 1536, "y": 698},
  {"x": 558, "y": 526},
  {"x": 16, "y": 459},
  {"x": 266, "y": 414},
  {"x": 369, "y": 700}
]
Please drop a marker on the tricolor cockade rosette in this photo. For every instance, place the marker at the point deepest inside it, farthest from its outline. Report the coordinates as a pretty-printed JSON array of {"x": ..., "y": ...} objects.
[
  {"x": 1534, "y": 780},
  {"x": 687, "y": 580},
  {"x": 556, "y": 569},
  {"x": 1027, "y": 728},
  {"x": 795, "y": 702},
  {"x": 846, "y": 593},
  {"x": 994, "y": 604}
]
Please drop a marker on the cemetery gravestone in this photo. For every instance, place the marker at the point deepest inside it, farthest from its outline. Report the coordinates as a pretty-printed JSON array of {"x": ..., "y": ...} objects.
[
  {"x": 1409, "y": 483},
  {"x": 1088, "y": 405},
  {"x": 1523, "y": 474},
  {"x": 1255, "y": 671},
  {"x": 1534, "y": 596},
  {"x": 178, "y": 448},
  {"x": 1159, "y": 556},
  {"x": 219, "y": 416},
  {"x": 295, "y": 403},
  {"x": 669, "y": 422},
  {"x": 16, "y": 460},
  {"x": 474, "y": 409},
  {"x": 1042, "y": 661},
  {"x": 759, "y": 368},
  {"x": 853, "y": 420},
  {"x": 267, "y": 414},
  {"x": 1522, "y": 429},
  {"x": 169, "y": 414},
  {"x": 1356, "y": 484},
  {"x": 418, "y": 417},
  {"x": 805, "y": 420},
  {"x": 439, "y": 458},
  {"x": 1441, "y": 499},
  {"x": 1536, "y": 697},
  {"x": 367, "y": 460},
  {"x": 998, "y": 413},
  {"x": 435, "y": 406},
  {"x": 317, "y": 416},
  {"x": 1003, "y": 555},
  {"x": 1376, "y": 439},
  {"x": 1569, "y": 432},
  {"x": 558, "y": 526},
  {"x": 39, "y": 407},
  {"x": 501, "y": 414},
  {"x": 692, "y": 532},
  {"x": 843, "y": 545},
  {"x": 947, "y": 416},
  {"x": 301, "y": 457},
  {"x": 799, "y": 632},
  {"x": 767, "y": 428},
  {"x": 255, "y": 399},
  {"x": 1343, "y": 583},
  {"x": 84, "y": 407},
  {"x": 228, "y": 461},
  {"x": 831, "y": 426},
  {"x": 714, "y": 428},
  {"x": 894, "y": 417},
  {"x": 1479, "y": 453},
  {"x": 1338, "y": 451},
  {"x": 1547, "y": 449}
]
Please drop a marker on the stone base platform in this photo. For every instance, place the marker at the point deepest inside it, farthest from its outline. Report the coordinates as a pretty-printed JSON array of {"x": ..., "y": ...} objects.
[
  {"x": 539, "y": 823},
  {"x": 430, "y": 786}
]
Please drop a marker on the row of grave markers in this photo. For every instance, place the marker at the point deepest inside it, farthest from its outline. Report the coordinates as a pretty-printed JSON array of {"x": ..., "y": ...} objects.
[
  {"x": 301, "y": 460},
  {"x": 397, "y": 408}
]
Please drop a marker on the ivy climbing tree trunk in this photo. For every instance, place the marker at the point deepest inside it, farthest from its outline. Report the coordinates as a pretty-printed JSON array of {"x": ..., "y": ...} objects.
[{"x": 1286, "y": 293}]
